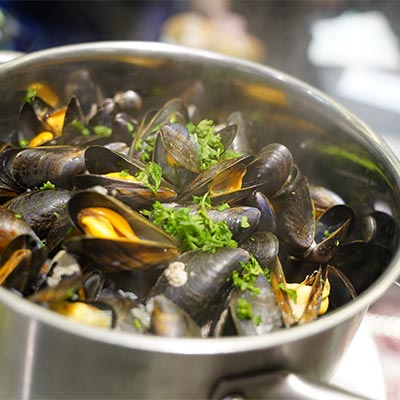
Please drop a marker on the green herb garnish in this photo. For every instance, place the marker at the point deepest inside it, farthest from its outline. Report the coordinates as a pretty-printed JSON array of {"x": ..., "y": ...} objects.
[
  {"x": 146, "y": 147},
  {"x": 211, "y": 147},
  {"x": 102, "y": 130},
  {"x": 292, "y": 294},
  {"x": 82, "y": 128},
  {"x": 47, "y": 186},
  {"x": 244, "y": 222},
  {"x": 30, "y": 95},
  {"x": 150, "y": 176},
  {"x": 18, "y": 216},
  {"x": 326, "y": 233},
  {"x": 244, "y": 309},
  {"x": 193, "y": 231},
  {"x": 124, "y": 172},
  {"x": 246, "y": 278},
  {"x": 24, "y": 142},
  {"x": 223, "y": 207},
  {"x": 137, "y": 324}
]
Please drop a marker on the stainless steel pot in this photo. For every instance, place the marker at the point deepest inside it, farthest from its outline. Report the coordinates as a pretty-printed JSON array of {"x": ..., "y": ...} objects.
[{"x": 44, "y": 355}]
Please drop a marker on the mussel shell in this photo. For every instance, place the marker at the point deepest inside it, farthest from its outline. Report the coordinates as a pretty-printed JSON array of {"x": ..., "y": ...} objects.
[
  {"x": 268, "y": 218},
  {"x": 199, "y": 185},
  {"x": 342, "y": 290},
  {"x": 25, "y": 272},
  {"x": 169, "y": 320},
  {"x": 207, "y": 285},
  {"x": 362, "y": 262},
  {"x": 31, "y": 168},
  {"x": 153, "y": 247},
  {"x": 272, "y": 166},
  {"x": 323, "y": 198},
  {"x": 264, "y": 306},
  {"x": 241, "y": 141},
  {"x": 12, "y": 225},
  {"x": 179, "y": 144},
  {"x": 234, "y": 218},
  {"x": 380, "y": 228},
  {"x": 40, "y": 208},
  {"x": 264, "y": 246},
  {"x": 296, "y": 228},
  {"x": 28, "y": 123}
]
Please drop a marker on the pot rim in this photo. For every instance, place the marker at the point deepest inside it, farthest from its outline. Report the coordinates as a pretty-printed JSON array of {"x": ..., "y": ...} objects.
[{"x": 200, "y": 346}]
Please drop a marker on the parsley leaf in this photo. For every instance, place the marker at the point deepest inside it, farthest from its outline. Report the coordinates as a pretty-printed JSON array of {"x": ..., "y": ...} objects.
[
  {"x": 211, "y": 147},
  {"x": 246, "y": 278},
  {"x": 102, "y": 130},
  {"x": 82, "y": 128},
  {"x": 30, "y": 95},
  {"x": 150, "y": 176},
  {"x": 292, "y": 294},
  {"x": 47, "y": 186},
  {"x": 193, "y": 231}
]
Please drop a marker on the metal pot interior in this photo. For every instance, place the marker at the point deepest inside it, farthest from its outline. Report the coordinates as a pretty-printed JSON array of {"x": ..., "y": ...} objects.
[{"x": 331, "y": 146}]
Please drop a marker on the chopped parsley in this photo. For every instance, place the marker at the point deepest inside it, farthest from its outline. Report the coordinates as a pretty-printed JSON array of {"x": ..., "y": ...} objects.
[
  {"x": 292, "y": 294},
  {"x": 196, "y": 231},
  {"x": 23, "y": 143},
  {"x": 47, "y": 186},
  {"x": 124, "y": 172},
  {"x": 244, "y": 310},
  {"x": 137, "y": 324},
  {"x": 146, "y": 147},
  {"x": 18, "y": 216},
  {"x": 246, "y": 278},
  {"x": 211, "y": 147},
  {"x": 150, "y": 176},
  {"x": 102, "y": 130},
  {"x": 244, "y": 222},
  {"x": 326, "y": 233},
  {"x": 81, "y": 127},
  {"x": 30, "y": 95},
  {"x": 130, "y": 127}
]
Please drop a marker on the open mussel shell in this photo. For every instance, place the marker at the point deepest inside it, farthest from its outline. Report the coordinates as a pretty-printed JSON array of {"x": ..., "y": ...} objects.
[
  {"x": 20, "y": 263},
  {"x": 380, "y": 228},
  {"x": 152, "y": 247},
  {"x": 267, "y": 316},
  {"x": 169, "y": 320},
  {"x": 341, "y": 289},
  {"x": 75, "y": 287},
  {"x": 331, "y": 229},
  {"x": 153, "y": 120},
  {"x": 101, "y": 160},
  {"x": 200, "y": 282},
  {"x": 40, "y": 208},
  {"x": 323, "y": 198},
  {"x": 226, "y": 181},
  {"x": 362, "y": 262},
  {"x": 12, "y": 225}
]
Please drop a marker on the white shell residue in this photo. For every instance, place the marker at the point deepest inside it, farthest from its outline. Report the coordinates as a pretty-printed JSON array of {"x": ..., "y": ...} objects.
[{"x": 176, "y": 274}]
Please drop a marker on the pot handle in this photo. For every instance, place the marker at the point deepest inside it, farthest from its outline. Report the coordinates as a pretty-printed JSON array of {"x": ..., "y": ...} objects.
[{"x": 278, "y": 385}]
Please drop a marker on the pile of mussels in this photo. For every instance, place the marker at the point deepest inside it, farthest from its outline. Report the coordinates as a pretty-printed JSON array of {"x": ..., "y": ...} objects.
[{"x": 158, "y": 222}]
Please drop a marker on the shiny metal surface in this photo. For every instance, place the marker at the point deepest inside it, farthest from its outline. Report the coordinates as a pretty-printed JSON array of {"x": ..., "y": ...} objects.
[{"x": 43, "y": 355}]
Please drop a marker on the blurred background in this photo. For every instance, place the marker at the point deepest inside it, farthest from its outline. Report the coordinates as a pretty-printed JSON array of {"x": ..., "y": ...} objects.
[{"x": 348, "y": 49}]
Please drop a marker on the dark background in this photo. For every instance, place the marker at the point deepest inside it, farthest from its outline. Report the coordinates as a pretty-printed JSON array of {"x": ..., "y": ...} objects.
[{"x": 283, "y": 26}]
